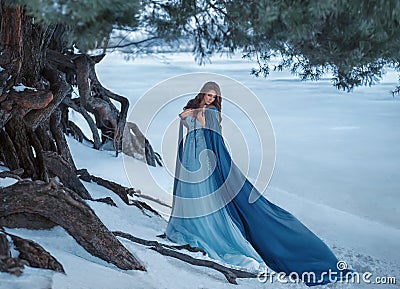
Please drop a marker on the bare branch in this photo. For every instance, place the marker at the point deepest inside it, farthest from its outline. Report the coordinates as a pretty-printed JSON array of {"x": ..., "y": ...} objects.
[
  {"x": 230, "y": 273},
  {"x": 133, "y": 43}
]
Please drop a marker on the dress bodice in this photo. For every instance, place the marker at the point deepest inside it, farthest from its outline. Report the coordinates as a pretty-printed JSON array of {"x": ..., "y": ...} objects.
[{"x": 193, "y": 123}]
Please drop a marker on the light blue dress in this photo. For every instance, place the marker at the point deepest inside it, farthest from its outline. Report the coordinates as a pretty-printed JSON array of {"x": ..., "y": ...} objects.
[
  {"x": 236, "y": 231},
  {"x": 193, "y": 223}
]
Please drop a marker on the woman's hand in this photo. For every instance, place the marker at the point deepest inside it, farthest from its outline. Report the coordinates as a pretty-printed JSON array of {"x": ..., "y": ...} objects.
[{"x": 186, "y": 113}]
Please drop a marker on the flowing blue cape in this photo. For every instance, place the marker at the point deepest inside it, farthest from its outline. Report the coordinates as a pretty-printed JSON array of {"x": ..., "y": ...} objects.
[{"x": 285, "y": 244}]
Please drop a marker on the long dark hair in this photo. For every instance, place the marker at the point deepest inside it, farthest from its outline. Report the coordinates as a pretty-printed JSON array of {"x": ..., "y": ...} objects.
[{"x": 195, "y": 102}]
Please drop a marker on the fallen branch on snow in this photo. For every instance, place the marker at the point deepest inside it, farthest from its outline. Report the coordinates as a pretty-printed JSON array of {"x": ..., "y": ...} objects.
[
  {"x": 121, "y": 191},
  {"x": 230, "y": 273}
]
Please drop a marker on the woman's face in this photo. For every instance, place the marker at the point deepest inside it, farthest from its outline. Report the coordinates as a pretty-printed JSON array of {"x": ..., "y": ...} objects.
[{"x": 210, "y": 96}]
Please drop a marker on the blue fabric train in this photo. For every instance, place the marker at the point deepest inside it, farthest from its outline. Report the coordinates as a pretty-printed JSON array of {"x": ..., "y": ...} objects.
[{"x": 239, "y": 233}]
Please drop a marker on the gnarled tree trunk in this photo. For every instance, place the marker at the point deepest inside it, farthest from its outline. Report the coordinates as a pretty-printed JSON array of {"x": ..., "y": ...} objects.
[{"x": 37, "y": 72}]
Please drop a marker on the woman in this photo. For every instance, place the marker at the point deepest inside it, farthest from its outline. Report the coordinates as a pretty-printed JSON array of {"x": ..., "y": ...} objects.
[{"x": 239, "y": 233}]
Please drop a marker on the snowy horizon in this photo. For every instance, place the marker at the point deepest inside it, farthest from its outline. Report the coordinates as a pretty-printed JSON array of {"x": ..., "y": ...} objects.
[{"x": 321, "y": 133}]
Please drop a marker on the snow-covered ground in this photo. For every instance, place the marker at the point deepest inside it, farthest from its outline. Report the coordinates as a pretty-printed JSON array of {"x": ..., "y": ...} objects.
[{"x": 337, "y": 169}]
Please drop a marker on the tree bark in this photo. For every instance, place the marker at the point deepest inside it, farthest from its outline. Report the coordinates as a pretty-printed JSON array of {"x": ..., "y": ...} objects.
[
  {"x": 63, "y": 169},
  {"x": 36, "y": 255},
  {"x": 67, "y": 209},
  {"x": 30, "y": 253},
  {"x": 38, "y": 71}
]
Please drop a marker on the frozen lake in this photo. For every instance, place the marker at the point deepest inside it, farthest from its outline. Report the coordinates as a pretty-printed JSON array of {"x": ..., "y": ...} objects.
[{"x": 332, "y": 147}]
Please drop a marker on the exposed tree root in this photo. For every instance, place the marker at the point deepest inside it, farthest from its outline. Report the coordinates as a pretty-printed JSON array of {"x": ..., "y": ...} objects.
[
  {"x": 121, "y": 191},
  {"x": 31, "y": 99},
  {"x": 15, "y": 174},
  {"x": 35, "y": 255},
  {"x": 64, "y": 207},
  {"x": 92, "y": 125},
  {"x": 168, "y": 250},
  {"x": 155, "y": 243},
  {"x": 30, "y": 254},
  {"x": 77, "y": 133},
  {"x": 136, "y": 145},
  {"x": 61, "y": 168}
]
